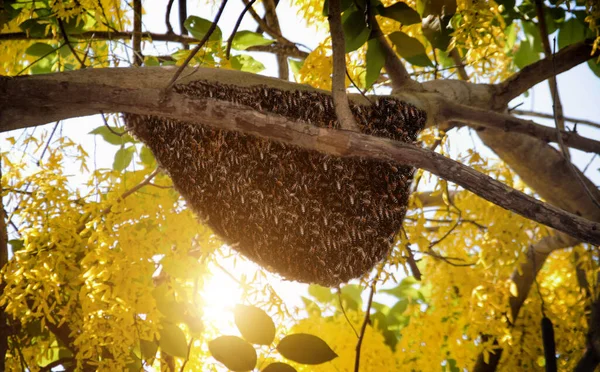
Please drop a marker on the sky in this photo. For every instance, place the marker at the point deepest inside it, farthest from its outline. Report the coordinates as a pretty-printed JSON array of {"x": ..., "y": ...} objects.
[{"x": 580, "y": 92}]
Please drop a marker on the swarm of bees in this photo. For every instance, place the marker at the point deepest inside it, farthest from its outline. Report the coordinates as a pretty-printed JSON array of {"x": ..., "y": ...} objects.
[{"x": 308, "y": 216}]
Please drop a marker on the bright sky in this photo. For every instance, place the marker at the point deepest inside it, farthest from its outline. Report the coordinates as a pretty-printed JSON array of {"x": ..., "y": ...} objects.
[{"x": 580, "y": 92}]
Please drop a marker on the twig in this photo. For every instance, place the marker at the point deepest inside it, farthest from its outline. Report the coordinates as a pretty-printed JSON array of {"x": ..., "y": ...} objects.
[
  {"x": 460, "y": 66},
  {"x": 539, "y": 71},
  {"x": 551, "y": 116},
  {"x": 339, "y": 292},
  {"x": 211, "y": 29},
  {"x": 237, "y": 25},
  {"x": 477, "y": 117},
  {"x": 556, "y": 103},
  {"x": 109, "y": 128},
  {"x": 273, "y": 22},
  {"x": 400, "y": 78},
  {"x": 61, "y": 26},
  {"x": 187, "y": 358},
  {"x": 558, "y": 120},
  {"x": 168, "y": 17},
  {"x": 338, "y": 85},
  {"x": 182, "y": 18},
  {"x": 365, "y": 322},
  {"x": 48, "y": 142},
  {"x": 136, "y": 41}
]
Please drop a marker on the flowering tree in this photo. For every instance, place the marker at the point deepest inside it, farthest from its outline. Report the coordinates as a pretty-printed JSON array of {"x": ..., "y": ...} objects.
[{"x": 111, "y": 275}]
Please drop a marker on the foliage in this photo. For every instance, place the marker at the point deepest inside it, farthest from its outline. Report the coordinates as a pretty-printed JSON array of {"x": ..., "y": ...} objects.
[{"x": 109, "y": 276}]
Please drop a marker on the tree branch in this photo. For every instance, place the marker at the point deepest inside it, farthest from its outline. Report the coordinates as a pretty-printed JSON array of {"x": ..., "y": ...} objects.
[
  {"x": 537, "y": 72},
  {"x": 136, "y": 42},
  {"x": 90, "y": 91},
  {"x": 273, "y": 22},
  {"x": 338, "y": 85},
  {"x": 5, "y": 329},
  {"x": 550, "y": 116},
  {"x": 363, "y": 328},
  {"x": 400, "y": 78},
  {"x": 477, "y": 117},
  {"x": 524, "y": 277}
]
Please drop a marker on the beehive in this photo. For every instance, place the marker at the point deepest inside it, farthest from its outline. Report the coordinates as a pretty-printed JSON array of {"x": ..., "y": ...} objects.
[{"x": 308, "y": 216}]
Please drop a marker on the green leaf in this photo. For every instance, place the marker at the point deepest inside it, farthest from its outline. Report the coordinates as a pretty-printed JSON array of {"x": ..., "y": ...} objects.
[
  {"x": 235, "y": 353},
  {"x": 172, "y": 340},
  {"x": 172, "y": 310},
  {"x": 198, "y": 27},
  {"x": 572, "y": 31},
  {"x": 353, "y": 291},
  {"x": 123, "y": 158},
  {"x": 245, "y": 39},
  {"x": 320, "y": 293},
  {"x": 34, "y": 28},
  {"x": 379, "y": 320},
  {"x": 400, "y": 12},
  {"x": 345, "y": 5},
  {"x": 279, "y": 367},
  {"x": 147, "y": 157},
  {"x": 16, "y": 244},
  {"x": 435, "y": 29},
  {"x": 532, "y": 34},
  {"x": 40, "y": 50},
  {"x": 113, "y": 135},
  {"x": 151, "y": 61},
  {"x": 148, "y": 349},
  {"x": 404, "y": 290},
  {"x": 306, "y": 349},
  {"x": 135, "y": 365},
  {"x": 356, "y": 32},
  {"x": 246, "y": 63},
  {"x": 255, "y": 325},
  {"x": 391, "y": 338},
  {"x": 594, "y": 66},
  {"x": 410, "y": 49},
  {"x": 375, "y": 61},
  {"x": 311, "y": 307},
  {"x": 525, "y": 55},
  {"x": 296, "y": 65},
  {"x": 554, "y": 17},
  {"x": 436, "y": 7}
]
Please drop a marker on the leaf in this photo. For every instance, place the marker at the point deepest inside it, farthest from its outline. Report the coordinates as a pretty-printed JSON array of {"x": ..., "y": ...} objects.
[
  {"x": 375, "y": 61},
  {"x": 111, "y": 135},
  {"x": 148, "y": 349},
  {"x": 436, "y": 7},
  {"x": 235, "y": 353},
  {"x": 306, "y": 349},
  {"x": 246, "y": 63},
  {"x": 16, "y": 244},
  {"x": 172, "y": 340},
  {"x": 320, "y": 293},
  {"x": 147, "y": 157},
  {"x": 594, "y": 66},
  {"x": 410, "y": 49},
  {"x": 311, "y": 307},
  {"x": 135, "y": 365},
  {"x": 525, "y": 55},
  {"x": 400, "y": 12},
  {"x": 354, "y": 292},
  {"x": 344, "y": 5},
  {"x": 198, "y": 27},
  {"x": 572, "y": 31},
  {"x": 123, "y": 158},
  {"x": 151, "y": 61},
  {"x": 379, "y": 320},
  {"x": 279, "y": 367},
  {"x": 435, "y": 29},
  {"x": 33, "y": 28},
  {"x": 532, "y": 34},
  {"x": 296, "y": 66},
  {"x": 356, "y": 32},
  {"x": 255, "y": 325},
  {"x": 40, "y": 50},
  {"x": 245, "y": 39}
]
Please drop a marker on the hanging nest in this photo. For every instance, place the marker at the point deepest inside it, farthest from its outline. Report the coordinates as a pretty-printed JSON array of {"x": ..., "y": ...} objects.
[{"x": 308, "y": 216}]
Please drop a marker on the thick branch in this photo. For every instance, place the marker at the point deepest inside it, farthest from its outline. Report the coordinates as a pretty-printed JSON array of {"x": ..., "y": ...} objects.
[
  {"x": 84, "y": 92},
  {"x": 273, "y": 22},
  {"x": 338, "y": 85},
  {"x": 4, "y": 325},
  {"x": 537, "y": 72},
  {"x": 490, "y": 119}
]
